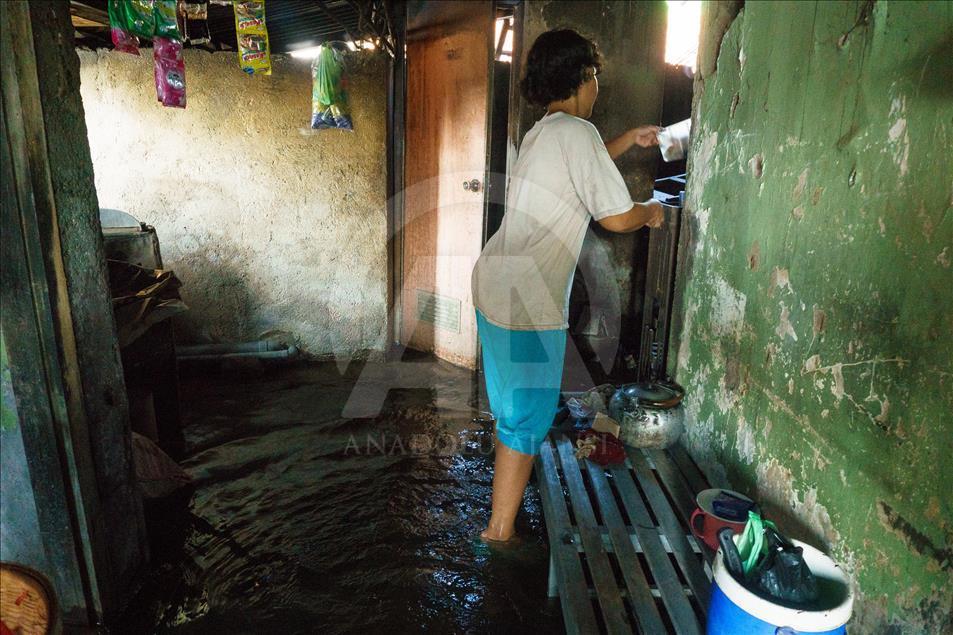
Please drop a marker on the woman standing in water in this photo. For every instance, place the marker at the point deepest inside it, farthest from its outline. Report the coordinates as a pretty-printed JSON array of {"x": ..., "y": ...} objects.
[{"x": 564, "y": 177}]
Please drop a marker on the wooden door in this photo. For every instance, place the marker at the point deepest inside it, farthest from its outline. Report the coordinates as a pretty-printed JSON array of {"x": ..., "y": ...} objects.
[{"x": 449, "y": 56}]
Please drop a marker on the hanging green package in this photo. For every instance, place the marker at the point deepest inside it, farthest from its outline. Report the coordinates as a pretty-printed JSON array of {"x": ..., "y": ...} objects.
[
  {"x": 137, "y": 18},
  {"x": 167, "y": 25},
  {"x": 123, "y": 41},
  {"x": 329, "y": 92}
]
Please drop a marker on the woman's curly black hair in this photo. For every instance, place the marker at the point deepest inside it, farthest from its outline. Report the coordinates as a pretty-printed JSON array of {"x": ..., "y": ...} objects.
[{"x": 557, "y": 65}]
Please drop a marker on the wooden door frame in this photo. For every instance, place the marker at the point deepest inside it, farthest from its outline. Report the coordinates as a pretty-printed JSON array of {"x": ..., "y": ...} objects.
[
  {"x": 38, "y": 333},
  {"x": 58, "y": 323},
  {"x": 396, "y": 138}
]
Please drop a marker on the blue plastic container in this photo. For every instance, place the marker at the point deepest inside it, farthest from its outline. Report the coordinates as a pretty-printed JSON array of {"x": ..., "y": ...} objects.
[{"x": 733, "y": 609}]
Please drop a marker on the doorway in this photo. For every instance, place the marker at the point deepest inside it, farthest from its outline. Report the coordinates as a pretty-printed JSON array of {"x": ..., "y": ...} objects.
[
  {"x": 455, "y": 157},
  {"x": 445, "y": 165}
]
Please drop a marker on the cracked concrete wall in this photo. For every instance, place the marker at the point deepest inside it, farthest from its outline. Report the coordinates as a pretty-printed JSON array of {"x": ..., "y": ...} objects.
[
  {"x": 815, "y": 310},
  {"x": 269, "y": 229}
]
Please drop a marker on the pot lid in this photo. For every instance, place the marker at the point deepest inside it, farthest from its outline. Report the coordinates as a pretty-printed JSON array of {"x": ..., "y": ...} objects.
[{"x": 656, "y": 393}]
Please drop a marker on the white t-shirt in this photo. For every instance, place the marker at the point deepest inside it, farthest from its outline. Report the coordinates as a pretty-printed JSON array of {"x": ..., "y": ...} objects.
[{"x": 563, "y": 177}]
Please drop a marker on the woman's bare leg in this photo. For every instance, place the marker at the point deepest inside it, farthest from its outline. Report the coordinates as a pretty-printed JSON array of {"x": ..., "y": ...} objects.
[{"x": 510, "y": 474}]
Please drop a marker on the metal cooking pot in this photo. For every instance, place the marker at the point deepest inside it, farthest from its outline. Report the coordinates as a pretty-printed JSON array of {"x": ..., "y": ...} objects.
[{"x": 650, "y": 414}]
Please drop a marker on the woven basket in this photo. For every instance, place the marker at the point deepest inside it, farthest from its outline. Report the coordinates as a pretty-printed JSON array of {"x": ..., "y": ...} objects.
[{"x": 27, "y": 602}]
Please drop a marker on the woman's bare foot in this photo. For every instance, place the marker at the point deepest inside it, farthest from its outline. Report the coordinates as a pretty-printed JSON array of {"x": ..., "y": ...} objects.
[
  {"x": 488, "y": 537},
  {"x": 491, "y": 534}
]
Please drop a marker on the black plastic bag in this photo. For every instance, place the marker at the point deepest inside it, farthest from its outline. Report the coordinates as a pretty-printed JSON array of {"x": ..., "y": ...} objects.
[{"x": 782, "y": 576}]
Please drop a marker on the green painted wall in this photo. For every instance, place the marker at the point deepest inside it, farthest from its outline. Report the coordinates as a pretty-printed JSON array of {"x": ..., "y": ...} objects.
[{"x": 816, "y": 298}]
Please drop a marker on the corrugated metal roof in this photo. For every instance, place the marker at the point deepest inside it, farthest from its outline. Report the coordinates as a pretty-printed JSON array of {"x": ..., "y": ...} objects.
[{"x": 291, "y": 23}]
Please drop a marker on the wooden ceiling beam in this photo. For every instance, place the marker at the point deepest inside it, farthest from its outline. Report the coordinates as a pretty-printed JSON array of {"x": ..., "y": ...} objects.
[{"x": 85, "y": 16}]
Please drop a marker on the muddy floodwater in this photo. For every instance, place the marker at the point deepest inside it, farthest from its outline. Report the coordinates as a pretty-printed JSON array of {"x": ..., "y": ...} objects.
[{"x": 305, "y": 520}]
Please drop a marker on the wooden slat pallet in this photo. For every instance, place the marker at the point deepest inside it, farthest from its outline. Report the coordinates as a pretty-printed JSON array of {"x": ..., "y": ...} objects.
[{"x": 622, "y": 557}]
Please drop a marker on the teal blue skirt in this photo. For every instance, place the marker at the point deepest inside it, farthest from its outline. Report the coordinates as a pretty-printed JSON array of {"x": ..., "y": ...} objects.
[{"x": 523, "y": 371}]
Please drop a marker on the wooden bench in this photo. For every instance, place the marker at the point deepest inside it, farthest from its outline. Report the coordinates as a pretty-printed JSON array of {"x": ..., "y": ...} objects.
[{"x": 622, "y": 557}]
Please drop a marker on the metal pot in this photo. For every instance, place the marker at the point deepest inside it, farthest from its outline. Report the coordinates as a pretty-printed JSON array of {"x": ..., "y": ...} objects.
[{"x": 650, "y": 414}]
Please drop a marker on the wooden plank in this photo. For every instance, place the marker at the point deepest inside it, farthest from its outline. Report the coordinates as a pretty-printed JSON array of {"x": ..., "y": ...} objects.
[
  {"x": 681, "y": 492},
  {"x": 40, "y": 296},
  {"x": 603, "y": 579},
  {"x": 666, "y": 579},
  {"x": 674, "y": 482},
  {"x": 649, "y": 620},
  {"x": 655, "y": 594},
  {"x": 578, "y": 614},
  {"x": 691, "y": 568},
  {"x": 89, "y": 16},
  {"x": 632, "y": 535},
  {"x": 83, "y": 23},
  {"x": 607, "y": 543},
  {"x": 696, "y": 480}
]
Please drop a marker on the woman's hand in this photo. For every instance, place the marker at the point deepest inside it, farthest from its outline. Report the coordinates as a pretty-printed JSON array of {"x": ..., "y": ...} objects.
[
  {"x": 645, "y": 136},
  {"x": 656, "y": 214},
  {"x": 647, "y": 214}
]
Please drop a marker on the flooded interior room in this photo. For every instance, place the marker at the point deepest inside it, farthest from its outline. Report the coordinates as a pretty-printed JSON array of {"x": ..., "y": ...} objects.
[{"x": 476, "y": 316}]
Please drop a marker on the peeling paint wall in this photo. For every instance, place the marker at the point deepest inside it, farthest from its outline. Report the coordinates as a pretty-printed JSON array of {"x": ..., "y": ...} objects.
[
  {"x": 269, "y": 228},
  {"x": 815, "y": 307}
]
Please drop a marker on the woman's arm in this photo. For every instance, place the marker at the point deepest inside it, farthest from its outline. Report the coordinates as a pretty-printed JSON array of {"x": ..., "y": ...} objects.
[
  {"x": 643, "y": 136},
  {"x": 647, "y": 214}
]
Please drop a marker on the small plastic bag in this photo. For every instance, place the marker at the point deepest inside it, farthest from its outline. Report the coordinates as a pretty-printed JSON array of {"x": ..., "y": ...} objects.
[
  {"x": 254, "y": 53},
  {"x": 167, "y": 24},
  {"x": 751, "y": 547},
  {"x": 673, "y": 140},
  {"x": 169, "y": 72},
  {"x": 329, "y": 107},
  {"x": 579, "y": 409},
  {"x": 123, "y": 41}
]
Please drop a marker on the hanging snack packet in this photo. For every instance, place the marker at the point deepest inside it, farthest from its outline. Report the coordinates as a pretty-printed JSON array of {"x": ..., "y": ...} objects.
[
  {"x": 166, "y": 24},
  {"x": 169, "y": 72},
  {"x": 122, "y": 40},
  {"x": 194, "y": 10},
  {"x": 253, "y": 50},
  {"x": 194, "y": 22},
  {"x": 329, "y": 92},
  {"x": 138, "y": 17}
]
